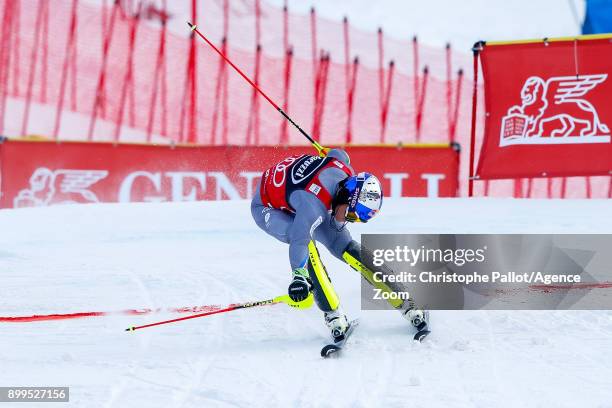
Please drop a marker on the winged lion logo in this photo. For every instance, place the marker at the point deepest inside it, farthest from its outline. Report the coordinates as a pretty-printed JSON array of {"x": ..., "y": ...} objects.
[
  {"x": 555, "y": 112},
  {"x": 61, "y": 186}
]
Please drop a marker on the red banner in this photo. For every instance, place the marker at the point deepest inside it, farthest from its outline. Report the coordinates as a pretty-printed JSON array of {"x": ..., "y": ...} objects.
[
  {"x": 548, "y": 108},
  {"x": 46, "y": 173}
]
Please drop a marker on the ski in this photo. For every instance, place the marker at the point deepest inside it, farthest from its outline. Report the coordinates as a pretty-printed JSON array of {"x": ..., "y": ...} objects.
[
  {"x": 421, "y": 334},
  {"x": 335, "y": 347}
]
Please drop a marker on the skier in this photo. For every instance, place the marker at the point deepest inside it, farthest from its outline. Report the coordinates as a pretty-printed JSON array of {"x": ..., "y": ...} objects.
[{"x": 307, "y": 198}]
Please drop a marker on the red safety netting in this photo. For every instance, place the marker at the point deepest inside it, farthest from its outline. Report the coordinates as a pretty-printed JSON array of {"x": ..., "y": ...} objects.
[
  {"x": 97, "y": 59},
  {"x": 128, "y": 70}
]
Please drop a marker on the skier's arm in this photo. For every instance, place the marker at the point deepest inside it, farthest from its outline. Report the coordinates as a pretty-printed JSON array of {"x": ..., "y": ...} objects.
[
  {"x": 310, "y": 211},
  {"x": 341, "y": 155},
  {"x": 309, "y": 214}
]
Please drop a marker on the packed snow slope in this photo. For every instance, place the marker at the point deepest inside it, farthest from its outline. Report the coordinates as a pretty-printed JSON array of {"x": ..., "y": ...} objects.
[
  {"x": 111, "y": 257},
  {"x": 461, "y": 22}
]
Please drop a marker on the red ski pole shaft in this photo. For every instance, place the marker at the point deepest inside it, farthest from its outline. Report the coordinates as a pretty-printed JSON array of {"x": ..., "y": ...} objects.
[
  {"x": 227, "y": 309},
  {"x": 303, "y": 304},
  {"x": 320, "y": 149}
]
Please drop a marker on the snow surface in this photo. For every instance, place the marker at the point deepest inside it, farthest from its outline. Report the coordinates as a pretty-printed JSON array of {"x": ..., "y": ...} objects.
[
  {"x": 437, "y": 22},
  {"x": 106, "y": 257}
]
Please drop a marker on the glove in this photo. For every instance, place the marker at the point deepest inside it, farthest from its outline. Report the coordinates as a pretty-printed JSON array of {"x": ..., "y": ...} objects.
[
  {"x": 300, "y": 286},
  {"x": 322, "y": 151}
]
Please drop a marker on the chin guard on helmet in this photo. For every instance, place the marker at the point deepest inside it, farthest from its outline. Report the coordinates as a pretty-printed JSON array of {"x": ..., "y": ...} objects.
[{"x": 363, "y": 194}]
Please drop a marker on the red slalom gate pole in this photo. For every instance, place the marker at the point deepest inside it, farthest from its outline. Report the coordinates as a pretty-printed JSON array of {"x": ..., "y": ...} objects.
[
  {"x": 476, "y": 51},
  {"x": 320, "y": 149},
  {"x": 304, "y": 304}
]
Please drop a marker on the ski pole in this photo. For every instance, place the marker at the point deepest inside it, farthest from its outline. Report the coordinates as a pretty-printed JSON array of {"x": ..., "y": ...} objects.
[
  {"x": 322, "y": 151},
  {"x": 304, "y": 304}
]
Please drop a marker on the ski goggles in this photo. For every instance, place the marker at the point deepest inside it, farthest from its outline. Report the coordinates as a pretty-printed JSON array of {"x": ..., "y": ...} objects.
[
  {"x": 356, "y": 211},
  {"x": 360, "y": 213}
]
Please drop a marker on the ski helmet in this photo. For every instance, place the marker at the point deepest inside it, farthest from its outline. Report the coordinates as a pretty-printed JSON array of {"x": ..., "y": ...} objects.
[{"x": 364, "y": 197}]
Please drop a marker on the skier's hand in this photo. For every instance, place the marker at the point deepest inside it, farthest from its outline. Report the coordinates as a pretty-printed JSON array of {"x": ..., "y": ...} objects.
[
  {"x": 322, "y": 151},
  {"x": 300, "y": 286}
]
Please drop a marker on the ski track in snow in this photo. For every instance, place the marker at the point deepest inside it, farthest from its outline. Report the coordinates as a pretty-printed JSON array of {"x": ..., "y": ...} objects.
[{"x": 115, "y": 256}]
